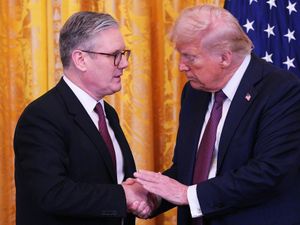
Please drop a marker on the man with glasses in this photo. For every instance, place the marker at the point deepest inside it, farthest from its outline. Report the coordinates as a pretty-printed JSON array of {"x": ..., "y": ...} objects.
[{"x": 71, "y": 156}]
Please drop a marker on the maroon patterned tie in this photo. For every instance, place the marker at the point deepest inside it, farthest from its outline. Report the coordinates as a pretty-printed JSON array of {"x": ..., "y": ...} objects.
[
  {"x": 104, "y": 132},
  {"x": 207, "y": 145}
]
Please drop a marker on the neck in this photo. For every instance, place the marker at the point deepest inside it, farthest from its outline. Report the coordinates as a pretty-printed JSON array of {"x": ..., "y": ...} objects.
[{"x": 74, "y": 77}]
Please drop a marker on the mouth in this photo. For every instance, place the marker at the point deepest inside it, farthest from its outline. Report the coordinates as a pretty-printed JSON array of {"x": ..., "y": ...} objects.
[
  {"x": 190, "y": 78},
  {"x": 117, "y": 76}
]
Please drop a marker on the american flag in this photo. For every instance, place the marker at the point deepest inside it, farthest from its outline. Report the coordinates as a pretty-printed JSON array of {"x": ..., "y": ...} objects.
[{"x": 274, "y": 28}]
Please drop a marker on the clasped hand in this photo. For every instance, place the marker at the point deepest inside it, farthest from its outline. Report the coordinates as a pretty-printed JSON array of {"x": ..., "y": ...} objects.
[
  {"x": 139, "y": 201},
  {"x": 143, "y": 194}
]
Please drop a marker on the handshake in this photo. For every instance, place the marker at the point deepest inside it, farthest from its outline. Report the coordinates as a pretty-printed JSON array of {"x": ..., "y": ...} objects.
[{"x": 143, "y": 194}]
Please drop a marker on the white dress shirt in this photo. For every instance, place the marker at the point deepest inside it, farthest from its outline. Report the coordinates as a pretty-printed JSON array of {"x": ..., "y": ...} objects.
[
  {"x": 229, "y": 90},
  {"x": 89, "y": 104}
]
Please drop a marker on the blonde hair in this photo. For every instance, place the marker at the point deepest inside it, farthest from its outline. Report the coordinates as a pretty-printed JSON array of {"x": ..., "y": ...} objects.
[{"x": 211, "y": 27}]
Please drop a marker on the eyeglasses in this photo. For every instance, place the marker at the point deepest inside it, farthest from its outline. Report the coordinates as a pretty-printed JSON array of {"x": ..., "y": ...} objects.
[{"x": 117, "y": 55}]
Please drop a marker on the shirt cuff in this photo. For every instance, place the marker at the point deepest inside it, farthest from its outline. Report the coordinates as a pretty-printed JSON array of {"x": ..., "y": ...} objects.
[{"x": 193, "y": 201}]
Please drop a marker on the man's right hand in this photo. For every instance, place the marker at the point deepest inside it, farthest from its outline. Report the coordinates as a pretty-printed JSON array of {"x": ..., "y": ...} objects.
[{"x": 139, "y": 201}]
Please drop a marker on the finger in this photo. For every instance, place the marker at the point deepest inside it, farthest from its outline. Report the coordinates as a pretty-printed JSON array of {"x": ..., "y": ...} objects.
[
  {"x": 154, "y": 184},
  {"x": 144, "y": 210},
  {"x": 129, "y": 181},
  {"x": 138, "y": 208},
  {"x": 149, "y": 176},
  {"x": 141, "y": 207},
  {"x": 146, "y": 213},
  {"x": 133, "y": 206},
  {"x": 152, "y": 187},
  {"x": 147, "y": 172},
  {"x": 146, "y": 184}
]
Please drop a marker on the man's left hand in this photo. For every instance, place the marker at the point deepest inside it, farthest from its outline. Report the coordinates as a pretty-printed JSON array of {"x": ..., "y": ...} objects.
[{"x": 163, "y": 186}]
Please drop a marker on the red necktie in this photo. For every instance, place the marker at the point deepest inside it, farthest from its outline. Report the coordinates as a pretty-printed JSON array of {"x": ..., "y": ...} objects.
[
  {"x": 104, "y": 132},
  {"x": 207, "y": 145}
]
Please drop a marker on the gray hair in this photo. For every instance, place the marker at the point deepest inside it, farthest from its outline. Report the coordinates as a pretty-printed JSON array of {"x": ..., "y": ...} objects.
[
  {"x": 213, "y": 28},
  {"x": 79, "y": 29}
]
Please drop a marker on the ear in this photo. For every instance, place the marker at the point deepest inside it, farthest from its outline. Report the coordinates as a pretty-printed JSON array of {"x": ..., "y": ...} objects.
[
  {"x": 79, "y": 60},
  {"x": 226, "y": 59}
]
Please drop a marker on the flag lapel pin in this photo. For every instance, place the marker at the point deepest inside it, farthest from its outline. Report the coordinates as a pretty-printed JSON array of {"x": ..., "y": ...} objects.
[{"x": 248, "y": 97}]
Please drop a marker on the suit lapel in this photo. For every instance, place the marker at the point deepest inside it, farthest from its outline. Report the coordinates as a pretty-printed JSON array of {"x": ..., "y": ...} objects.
[
  {"x": 241, "y": 102},
  {"x": 129, "y": 165},
  {"x": 193, "y": 113},
  {"x": 84, "y": 121}
]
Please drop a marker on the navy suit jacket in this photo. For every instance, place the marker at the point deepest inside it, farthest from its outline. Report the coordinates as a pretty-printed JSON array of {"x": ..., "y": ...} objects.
[
  {"x": 258, "y": 168},
  {"x": 63, "y": 171}
]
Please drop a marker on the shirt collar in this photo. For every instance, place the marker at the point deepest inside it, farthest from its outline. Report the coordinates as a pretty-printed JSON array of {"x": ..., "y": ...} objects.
[
  {"x": 87, "y": 101},
  {"x": 232, "y": 85}
]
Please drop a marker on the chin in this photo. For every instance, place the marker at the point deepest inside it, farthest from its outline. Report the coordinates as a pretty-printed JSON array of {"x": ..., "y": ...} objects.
[
  {"x": 196, "y": 85},
  {"x": 116, "y": 88}
]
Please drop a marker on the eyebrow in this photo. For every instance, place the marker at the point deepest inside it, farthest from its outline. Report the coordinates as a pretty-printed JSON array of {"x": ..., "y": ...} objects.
[{"x": 118, "y": 50}]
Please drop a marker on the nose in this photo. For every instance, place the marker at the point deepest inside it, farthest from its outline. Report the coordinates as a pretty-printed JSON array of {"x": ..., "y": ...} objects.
[
  {"x": 183, "y": 67},
  {"x": 123, "y": 63}
]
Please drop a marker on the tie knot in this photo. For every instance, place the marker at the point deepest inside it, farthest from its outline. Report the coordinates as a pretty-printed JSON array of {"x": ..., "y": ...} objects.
[
  {"x": 220, "y": 96},
  {"x": 99, "y": 110}
]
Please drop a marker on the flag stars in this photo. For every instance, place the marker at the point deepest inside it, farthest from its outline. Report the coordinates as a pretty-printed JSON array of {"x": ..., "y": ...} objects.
[
  {"x": 291, "y": 7},
  {"x": 268, "y": 57},
  {"x": 274, "y": 28},
  {"x": 290, "y": 35},
  {"x": 289, "y": 62},
  {"x": 271, "y": 3},
  {"x": 270, "y": 31},
  {"x": 250, "y": 1},
  {"x": 249, "y": 25}
]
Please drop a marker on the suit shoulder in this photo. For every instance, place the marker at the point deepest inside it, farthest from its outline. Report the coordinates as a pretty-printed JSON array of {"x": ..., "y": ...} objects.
[
  {"x": 269, "y": 77},
  {"x": 45, "y": 104},
  {"x": 276, "y": 73},
  {"x": 279, "y": 78}
]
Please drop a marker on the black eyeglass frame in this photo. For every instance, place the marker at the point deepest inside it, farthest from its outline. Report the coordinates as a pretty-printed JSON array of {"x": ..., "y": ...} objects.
[{"x": 118, "y": 54}]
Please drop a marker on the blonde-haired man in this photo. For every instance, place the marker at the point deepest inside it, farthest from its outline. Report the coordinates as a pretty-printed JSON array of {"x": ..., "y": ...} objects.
[{"x": 236, "y": 159}]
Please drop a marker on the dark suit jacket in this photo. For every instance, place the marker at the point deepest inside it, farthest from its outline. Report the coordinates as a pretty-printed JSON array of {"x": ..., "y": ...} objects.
[
  {"x": 258, "y": 167},
  {"x": 63, "y": 171}
]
